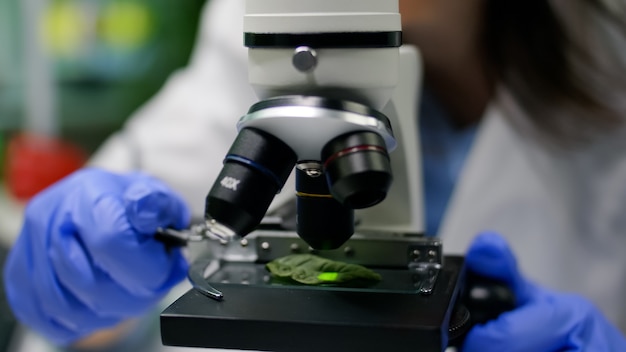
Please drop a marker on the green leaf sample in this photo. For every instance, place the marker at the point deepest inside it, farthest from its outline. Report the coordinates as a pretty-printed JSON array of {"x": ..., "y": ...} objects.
[{"x": 310, "y": 269}]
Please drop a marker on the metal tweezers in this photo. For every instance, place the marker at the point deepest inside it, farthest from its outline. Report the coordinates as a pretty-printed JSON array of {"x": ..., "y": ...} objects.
[{"x": 194, "y": 233}]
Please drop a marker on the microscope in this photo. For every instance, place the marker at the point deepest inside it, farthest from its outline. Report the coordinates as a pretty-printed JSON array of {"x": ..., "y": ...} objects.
[{"x": 338, "y": 96}]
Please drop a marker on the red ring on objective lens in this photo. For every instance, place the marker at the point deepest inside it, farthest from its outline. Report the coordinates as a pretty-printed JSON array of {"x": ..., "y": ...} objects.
[{"x": 351, "y": 150}]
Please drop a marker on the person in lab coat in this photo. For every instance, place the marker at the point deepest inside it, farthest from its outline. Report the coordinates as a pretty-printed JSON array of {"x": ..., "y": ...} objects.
[{"x": 524, "y": 143}]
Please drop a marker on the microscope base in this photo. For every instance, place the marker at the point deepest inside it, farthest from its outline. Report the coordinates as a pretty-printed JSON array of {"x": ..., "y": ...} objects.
[{"x": 297, "y": 319}]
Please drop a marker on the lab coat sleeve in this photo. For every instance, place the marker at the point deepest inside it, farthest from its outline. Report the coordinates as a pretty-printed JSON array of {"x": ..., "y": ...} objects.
[{"x": 183, "y": 133}]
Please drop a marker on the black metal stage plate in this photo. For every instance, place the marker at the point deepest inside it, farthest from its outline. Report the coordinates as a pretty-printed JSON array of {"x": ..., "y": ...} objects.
[{"x": 296, "y": 319}]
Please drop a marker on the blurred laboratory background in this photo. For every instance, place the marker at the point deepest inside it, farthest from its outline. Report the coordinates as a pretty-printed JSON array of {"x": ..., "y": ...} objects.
[
  {"x": 71, "y": 73},
  {"x": 76, "y": 69}
]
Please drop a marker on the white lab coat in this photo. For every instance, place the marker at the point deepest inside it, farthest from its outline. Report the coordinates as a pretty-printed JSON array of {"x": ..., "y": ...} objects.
[{"x": 564, "y": 212}]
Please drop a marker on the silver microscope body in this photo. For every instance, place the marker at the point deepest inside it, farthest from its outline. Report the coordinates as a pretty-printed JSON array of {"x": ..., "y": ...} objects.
[
  {"x": 324, "y": 72},
  {"x": 338, "y": 104}
]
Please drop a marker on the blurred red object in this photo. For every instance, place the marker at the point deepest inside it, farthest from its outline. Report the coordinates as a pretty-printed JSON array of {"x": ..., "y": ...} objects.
[{"x": 34, "y": 162}]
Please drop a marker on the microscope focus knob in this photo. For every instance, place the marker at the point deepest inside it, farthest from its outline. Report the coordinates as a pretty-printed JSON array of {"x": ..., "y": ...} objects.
[{"x": 304, "y": 59}]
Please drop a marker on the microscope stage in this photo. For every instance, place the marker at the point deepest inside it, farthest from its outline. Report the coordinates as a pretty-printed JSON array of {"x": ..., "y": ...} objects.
[{"x": 260, "y": 314}]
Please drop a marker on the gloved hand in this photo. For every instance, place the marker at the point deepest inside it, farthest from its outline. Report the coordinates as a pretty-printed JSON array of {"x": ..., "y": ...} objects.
[
  {"x": 543, "y": 320},
  {"x": 86, "y": 258}
]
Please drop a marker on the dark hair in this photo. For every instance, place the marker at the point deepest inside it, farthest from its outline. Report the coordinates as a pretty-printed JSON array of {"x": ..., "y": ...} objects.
[{"x": 537, "y": 59}]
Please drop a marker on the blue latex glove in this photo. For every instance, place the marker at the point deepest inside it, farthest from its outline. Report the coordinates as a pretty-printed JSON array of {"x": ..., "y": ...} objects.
[
  {"x": 543, "y": 320},
  {"x": 86, "y": 258}
]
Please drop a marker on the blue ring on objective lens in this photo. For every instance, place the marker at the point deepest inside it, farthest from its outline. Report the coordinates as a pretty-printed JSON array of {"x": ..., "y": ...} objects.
[{"x": 255, "y": 165}]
